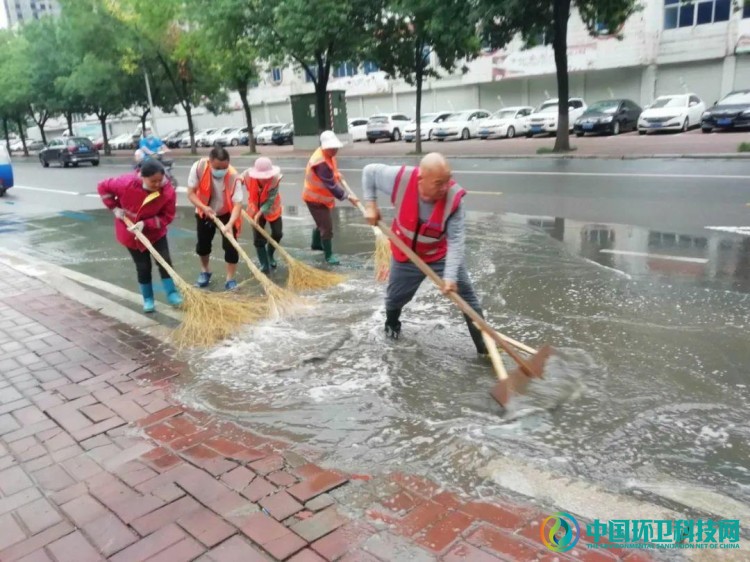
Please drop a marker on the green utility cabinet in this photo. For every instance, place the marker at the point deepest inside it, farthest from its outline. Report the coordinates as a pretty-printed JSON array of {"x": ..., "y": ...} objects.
[{"x": 305, "y": 117}]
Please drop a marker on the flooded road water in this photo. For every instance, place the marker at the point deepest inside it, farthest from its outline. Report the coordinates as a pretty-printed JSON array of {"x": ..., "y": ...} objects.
[{"x": 649, "y": 382}]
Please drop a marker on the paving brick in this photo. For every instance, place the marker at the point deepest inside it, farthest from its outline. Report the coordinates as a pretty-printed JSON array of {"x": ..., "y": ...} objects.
[
  {"x": 258, "y": 489},
  {"x": 283, "y": 547},
  {"x": 68, "y": 494},
  {"x": 60, "y": 441},
  {"x": 109, "y": 534},
  {"x": 342, "y": 540},
  {"x": 132, "y": 452},
  {"x": 281, "y": 505},
  {"x": 465, "y": 552},
  {"x": 319, "y": 503},
  {"x": 359, "y": 556},
  {"x": 38, "y": 515},
  {"x": 36, "y": 556},
  {"x": 10, "y": 407},
  {"x": 32, "y": 544},
  {"x": 134, "y": 473},
  {"x": 263, "y": 529},
  {"x": 448, "y": 499},
  {"x": 402, "y": 502},
  {"x": 29, "y": 415},
  {"x": 11, "y": 503},
  {"x": 281, "y": 478},
  {"x": 97, "y": 412},
  {"x": 317, "y": 484},
  {"x": 215, "y": 466},
  {"x": 11, "y": 531},
  {"x": 237, "y": 549},
  {"x": 238, "y": 479},
  {"x": 66, "y": 453},
  {"x": 162, "y": 433},
  {"x": 440, "y": 535},
  {"x": 81, "y": 467},
  {"x": 421, "y": 517},
  {"x": 184, "y": 551},
  {"x": 201, "y": 486},
  {"x": 159, "y": 416},
  {"x": 416, "y": 484},
  {"x": 74, "y": 548},
  {"x": 268, "y": 465},
  {"x": 152, "y": 545},
  {"x": 206, "y": 527},
  {"x": 165, "y": 515},
  {"x": 8, "y": 423},
  {"x": 319, "y": 524},
  {"x": 136, "y": 506},
  {"x": 184, "y": 425},
  {"x": 13, "y": 480},
  {"x": 96, "y": 429},
  {"x": 225, "y": 447},
  {"x": 307, "y": 555},
  {"x": 83, "y": 509},
  {"x": 94, "y": 442},
  {"x": 506, "y": 518},
  {"x": 53, "y": 478},
  {"x": 390, "y": 547}
]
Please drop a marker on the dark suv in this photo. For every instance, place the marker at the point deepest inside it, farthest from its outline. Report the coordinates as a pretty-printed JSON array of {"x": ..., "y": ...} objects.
[
  {"x": 732, "y": 112},
  {"x": 67, "y": 151}
]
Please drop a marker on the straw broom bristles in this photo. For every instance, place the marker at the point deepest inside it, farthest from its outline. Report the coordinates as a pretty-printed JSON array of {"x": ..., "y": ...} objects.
[
  {"x": 302, "y": 277},
  {"x": 209, "y": 317},
  {"x": 382, "y": 256},
  {"x": 280, "y": 302}
]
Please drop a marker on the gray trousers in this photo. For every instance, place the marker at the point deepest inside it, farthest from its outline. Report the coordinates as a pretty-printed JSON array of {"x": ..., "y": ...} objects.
[{"x": 403, "y": 283}]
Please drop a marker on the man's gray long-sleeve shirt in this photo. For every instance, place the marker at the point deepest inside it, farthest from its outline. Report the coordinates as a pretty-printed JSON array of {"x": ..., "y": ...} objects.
[{"x": 379, "y": 177}]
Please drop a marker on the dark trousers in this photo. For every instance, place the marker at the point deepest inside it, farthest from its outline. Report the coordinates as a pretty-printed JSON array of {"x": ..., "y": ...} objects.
[
  {"x": 143, "y": 261},
  {"x": 323, "y": 217},
  {"x": 276, "y": 232},
  {"x": 405, "y": 279},
  {"x": 206, "y": 230}
]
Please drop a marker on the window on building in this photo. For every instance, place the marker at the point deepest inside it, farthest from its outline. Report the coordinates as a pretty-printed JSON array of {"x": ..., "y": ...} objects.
[
  {"x": 746, "y": 10},
  {"x": 345, "y": 69},
  {"x": 687, "y": 13},
  {"x": 314, "y": 70},
  {"x": 276, "y": 75},
  {"x": 369, "y": 67}
]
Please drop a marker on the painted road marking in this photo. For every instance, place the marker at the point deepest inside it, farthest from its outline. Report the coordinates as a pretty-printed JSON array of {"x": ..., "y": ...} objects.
[
  {"x": 46, "y": 190},
  {"x": 655, "y": 256},
  {"x": 485, "y": 192},
  {"x": 733, "y": 229}
]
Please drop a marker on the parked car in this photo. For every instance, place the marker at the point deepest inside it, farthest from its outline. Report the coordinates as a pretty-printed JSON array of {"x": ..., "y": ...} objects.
[
  {"x": 463, "y": 125},
  {"x": 213, "y": 138},
  {"x": 265, "y": 127},
  {"x": 732, "y": 112},
  {"x": 266, "y": 136},
  {"x": 544, "y": 119},
  {"x": 358, "y": 129},
  {"x": 386, "y": 126},
  {"x": 200, "y": 138},
  {"x": 67, "y": 151},
  {"x": 675, "y": 113},
  {"x": 232, "y": 138},
  {"x": 98, "y": 143},
  {"x": 172, "y": 140},
  {"x": 123, "y": 142},
  {"x": 6, "y": 170},
  {"x": 15, "y": 145},
  {"x": 427, "y": 123},
  {"x": 283, "y": 135},
  {"x": 507, "y": 122},
  {"x": 608, "y": 116},
  {"x": 33, "y": 145}
]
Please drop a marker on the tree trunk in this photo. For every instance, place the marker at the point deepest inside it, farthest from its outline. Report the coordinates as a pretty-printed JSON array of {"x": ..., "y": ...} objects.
[
  {"x": 69, "y": 119},
  {"x": 103, "y": 121},
  {"x": 242, "y": 90},
  {"x": 143, "y": 121},
  {"x": 7, "y": 135},
  {"x": 561, "y": 14},
  {"x": 320, "y": 101},
  {"x": 43, "y": 117},
  {"x": 23, "y": 136},
  {"x": 189, "y": 115},
  {"x": 418, "y": 117}
]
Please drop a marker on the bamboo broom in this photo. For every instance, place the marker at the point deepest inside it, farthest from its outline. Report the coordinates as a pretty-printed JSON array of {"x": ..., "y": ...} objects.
[
  {"x": 302, "y": 277},
  {"x": 209, "y": 317}
]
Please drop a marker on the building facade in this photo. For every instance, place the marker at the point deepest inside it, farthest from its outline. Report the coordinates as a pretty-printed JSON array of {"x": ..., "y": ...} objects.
[{"x": 19, "y": 12}]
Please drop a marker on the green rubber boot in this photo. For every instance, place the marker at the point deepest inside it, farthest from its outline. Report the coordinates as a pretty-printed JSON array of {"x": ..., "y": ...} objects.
[
  {"x": 316, "y": 243},
  {"x": 271, "y": 260},
  {"x": 328, "y": 251},
  {"x": 265, "y": 267}
]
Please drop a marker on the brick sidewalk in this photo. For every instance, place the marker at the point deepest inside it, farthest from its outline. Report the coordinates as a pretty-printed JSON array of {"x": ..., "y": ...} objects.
[{"x": 98, "y": 462}]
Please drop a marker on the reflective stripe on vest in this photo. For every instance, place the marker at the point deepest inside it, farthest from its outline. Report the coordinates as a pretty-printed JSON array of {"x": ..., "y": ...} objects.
[
  {"x": 315, "y": 190},
  {"x": 257, "y": 197}
]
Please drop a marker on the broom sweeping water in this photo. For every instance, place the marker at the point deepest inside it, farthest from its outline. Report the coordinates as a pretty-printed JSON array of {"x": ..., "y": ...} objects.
[
  {"x": 209, "y": 317},
  {"x": 382, "y": 256},
  {"x": 302, "y": 277},
  {"x": 280, "y": 301}
]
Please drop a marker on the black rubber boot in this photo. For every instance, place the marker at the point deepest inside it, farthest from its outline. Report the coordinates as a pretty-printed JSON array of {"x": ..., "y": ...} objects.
[
  {"x": 271, "y": 260},
  {"x": 392, "y": 324},
  {"x": 476, "y": 336},
  {"x": 263, "y": 259},
  {"x": 316, "y": 243}
]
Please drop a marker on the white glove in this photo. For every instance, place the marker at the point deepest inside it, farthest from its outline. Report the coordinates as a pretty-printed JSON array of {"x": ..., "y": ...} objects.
[
  {"x": 119, "y": 213},
  {"x": 137, "y": 227}
]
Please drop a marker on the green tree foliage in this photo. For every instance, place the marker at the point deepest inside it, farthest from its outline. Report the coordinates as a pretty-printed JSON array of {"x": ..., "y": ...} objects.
[
  {"x": 501, "y": 20},
  {"x": 16, "y": 90},
  {"x": 413, "y": 30}
]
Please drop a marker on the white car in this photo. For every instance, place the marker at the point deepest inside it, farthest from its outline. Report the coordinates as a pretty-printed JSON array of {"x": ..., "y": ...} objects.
[
  {"x": 463, "y": 125},
  {"x": 386, "y": 126},
  {"x": 358, "y": 129},
  {"x": 507, "y": 122},
  {"x": 200, "y": 138},
  {"x": 266, "y": 136},
  {"x": 211, "y": 140},
  {"x": 232, "y": 138},
  {"x": 427, "y": 123},
  {"x": 675, "y": 113},
  {"x": 265, "y": 127},
  {"x": 544, "y": 119}
]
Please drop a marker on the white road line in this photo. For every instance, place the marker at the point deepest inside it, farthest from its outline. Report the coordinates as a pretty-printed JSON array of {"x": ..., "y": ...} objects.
[
  {"x": 734, "y": 229},
  {"x": 655, "y": 256},
  {"x": 46, "y": 190},
  {"x": 485, "y": 192},
  {"x": 92, "y": 195}
]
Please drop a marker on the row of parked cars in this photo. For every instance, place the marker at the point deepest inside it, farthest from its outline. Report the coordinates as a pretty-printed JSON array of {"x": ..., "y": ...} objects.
[
  {"x": 678, "y": 112},
  {"x": 267, "y": 133}
]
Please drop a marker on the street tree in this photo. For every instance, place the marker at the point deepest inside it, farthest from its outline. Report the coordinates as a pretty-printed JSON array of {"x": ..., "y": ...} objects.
[
  {"x": 411, "y": 31},
  {"x": 317, "y": 36},
  {"x": 546, "y": 22},
  {"x": 16, "y": 92}
]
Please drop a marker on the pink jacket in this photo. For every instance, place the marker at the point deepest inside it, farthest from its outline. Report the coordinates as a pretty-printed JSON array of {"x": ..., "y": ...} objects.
[{"x": 127, "y": 193}]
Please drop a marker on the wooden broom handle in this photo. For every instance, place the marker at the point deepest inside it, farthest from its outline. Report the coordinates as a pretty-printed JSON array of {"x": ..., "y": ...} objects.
[
  {"x": 359, "y": 205},
  {"x": 265, "y": 234},
  {"x": 157, "y": 256},
  {"x": 233, "y": 241},
  {"x": 383, "y": 229}
]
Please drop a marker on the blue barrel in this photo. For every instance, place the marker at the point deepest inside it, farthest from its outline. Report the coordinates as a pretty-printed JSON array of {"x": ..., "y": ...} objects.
[{"x": 6, "y": 170}]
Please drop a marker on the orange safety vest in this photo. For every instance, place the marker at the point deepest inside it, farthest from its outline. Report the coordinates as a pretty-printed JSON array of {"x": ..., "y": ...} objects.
[
  {"x": 205, "y": 188},
  {"x": 315, "y": 190},
  {"x": 257, "y": 196}
]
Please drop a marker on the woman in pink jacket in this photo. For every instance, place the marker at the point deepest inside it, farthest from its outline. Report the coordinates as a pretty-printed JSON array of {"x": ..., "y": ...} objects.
[{"x": 149, "y": 201}]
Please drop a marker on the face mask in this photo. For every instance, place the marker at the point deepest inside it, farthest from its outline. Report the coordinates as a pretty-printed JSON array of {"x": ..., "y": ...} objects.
[
  {"x": 218, "y": 174},
  {"x": 146, "y": 187}
]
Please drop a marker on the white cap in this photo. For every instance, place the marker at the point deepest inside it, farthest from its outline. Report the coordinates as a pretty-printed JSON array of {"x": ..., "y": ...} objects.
[{"x": 328, "y": 139}]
